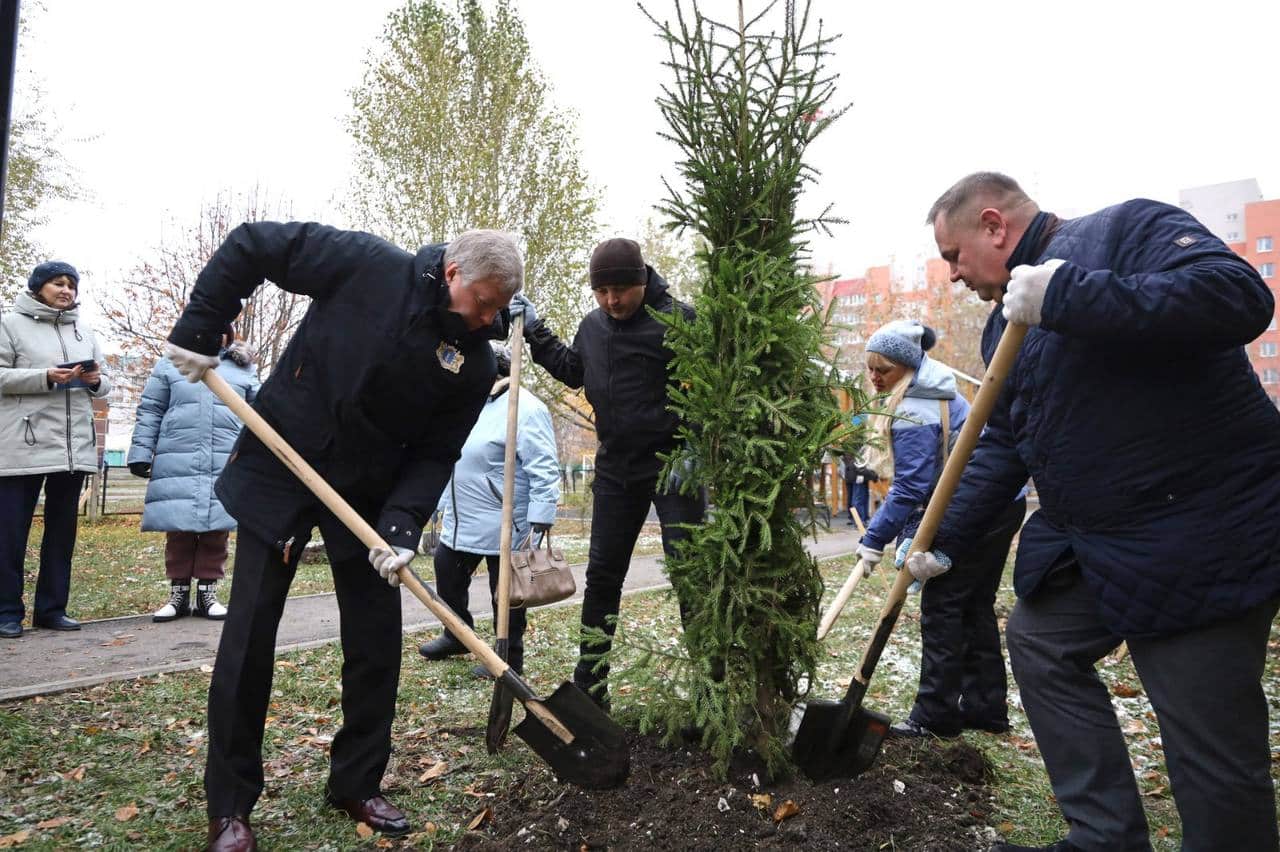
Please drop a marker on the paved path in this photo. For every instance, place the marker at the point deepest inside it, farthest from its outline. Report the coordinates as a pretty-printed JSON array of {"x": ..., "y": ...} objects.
[{"x": 45, "y": 661}]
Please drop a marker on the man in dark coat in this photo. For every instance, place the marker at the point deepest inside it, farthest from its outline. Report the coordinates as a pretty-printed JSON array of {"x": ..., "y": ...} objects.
[
  {"x": 619, "y": 358},
  {"x": 1156, "y": 455},
  {"x": 378, "y": 389}
]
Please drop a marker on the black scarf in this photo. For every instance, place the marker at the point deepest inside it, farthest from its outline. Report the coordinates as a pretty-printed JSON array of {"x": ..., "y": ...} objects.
[{"x": 1034, "y": 241}]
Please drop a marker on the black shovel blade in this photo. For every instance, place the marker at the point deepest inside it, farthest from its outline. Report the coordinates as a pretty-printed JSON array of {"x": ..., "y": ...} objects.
[
  {"x": 834, "y": 743},
  {"x": 495, "y": 733},
  {"x": 598, "y": 757}
]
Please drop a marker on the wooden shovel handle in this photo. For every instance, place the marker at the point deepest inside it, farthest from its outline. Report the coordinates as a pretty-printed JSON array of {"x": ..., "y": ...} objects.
[
  {"x": 985, "y": 400},
  {"x": 857, "y": 519},
  {"x": 358, "y": 525},
  {"x": 842, "y": 597},
  {"x": 509, "y": 481}
]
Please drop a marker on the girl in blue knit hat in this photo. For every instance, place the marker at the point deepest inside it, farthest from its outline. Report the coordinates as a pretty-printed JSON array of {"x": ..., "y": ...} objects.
[{"x": 962, "y": 674}]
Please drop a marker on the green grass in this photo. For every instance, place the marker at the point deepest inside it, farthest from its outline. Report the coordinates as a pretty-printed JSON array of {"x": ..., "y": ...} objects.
[
  {"x": 119, "y": 765},
  {"x": 118, "y": 570}
]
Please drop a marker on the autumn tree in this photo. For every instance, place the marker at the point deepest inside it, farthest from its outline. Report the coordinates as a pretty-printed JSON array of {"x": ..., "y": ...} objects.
[
  {"x": 454, "y": 128},
  {"x": 38, "y": 175},
  {"x": 142, "y": 308}
]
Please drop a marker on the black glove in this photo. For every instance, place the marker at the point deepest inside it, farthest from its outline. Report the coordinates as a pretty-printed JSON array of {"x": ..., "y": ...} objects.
[{"x": 142, "y": 469}]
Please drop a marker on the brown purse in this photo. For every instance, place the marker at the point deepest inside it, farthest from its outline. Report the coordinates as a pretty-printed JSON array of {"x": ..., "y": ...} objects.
[{"x": 539, "y": 576}]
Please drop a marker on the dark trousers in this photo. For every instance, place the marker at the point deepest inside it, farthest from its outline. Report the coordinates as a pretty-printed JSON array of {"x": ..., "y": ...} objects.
[
  {"x": 200, "y": 555},
  {"x": 454, "y": 570},
  {"x": 962, "y": 675},
  {"x": 369, "y": 618},
  {"x": 858, "y": 496},
  {"x": 1206, "y": 688},
  {"x": 18, "y": 498},
  {"x": 617, "y": 516}
]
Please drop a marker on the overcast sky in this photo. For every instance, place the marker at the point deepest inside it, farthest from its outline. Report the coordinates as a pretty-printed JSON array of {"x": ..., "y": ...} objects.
[{"x": 165, "y": 104}]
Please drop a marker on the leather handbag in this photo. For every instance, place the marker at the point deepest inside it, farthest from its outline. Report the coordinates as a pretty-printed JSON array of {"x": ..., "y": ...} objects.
[{"x": 539, "y": 575}]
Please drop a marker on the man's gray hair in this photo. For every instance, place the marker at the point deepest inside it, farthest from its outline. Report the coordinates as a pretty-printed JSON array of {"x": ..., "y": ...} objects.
[
  {"x": 999, "y": 191},
  {"x": 487, "y": 255}
]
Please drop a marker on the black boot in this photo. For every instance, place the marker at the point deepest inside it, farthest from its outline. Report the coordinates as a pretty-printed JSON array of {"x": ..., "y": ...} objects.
[
  {"x": 442, "y": 647},
  {"x": 178, "y": 605},
  {"x": 206, "y": 603}
]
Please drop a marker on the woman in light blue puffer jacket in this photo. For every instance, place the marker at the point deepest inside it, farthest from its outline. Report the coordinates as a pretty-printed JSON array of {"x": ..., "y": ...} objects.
[{"x": 181, "y": 441}]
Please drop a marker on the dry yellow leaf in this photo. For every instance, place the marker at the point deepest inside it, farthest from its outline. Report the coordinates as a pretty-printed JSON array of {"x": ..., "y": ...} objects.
[
  {"x": 434, "y": 772},
  {"x": 53, "y": 823},
  {"x": 364, "y": 830},
  {"x": 762, "y": 801},
  {"x": 786, "y": 810},
  {"x": 15, "y": 839},
  {"x": 127, "y": 812},
  {"x": 479, "y": 819}
]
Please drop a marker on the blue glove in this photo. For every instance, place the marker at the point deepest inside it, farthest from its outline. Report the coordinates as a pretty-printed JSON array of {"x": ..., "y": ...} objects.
[{"x": 520, "y": 304}]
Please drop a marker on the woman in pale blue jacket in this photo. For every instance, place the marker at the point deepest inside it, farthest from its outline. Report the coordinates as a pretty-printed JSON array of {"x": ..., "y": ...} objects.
[
  {"x": 471, "y": 506},
  {"x": 181, "y": 441}
]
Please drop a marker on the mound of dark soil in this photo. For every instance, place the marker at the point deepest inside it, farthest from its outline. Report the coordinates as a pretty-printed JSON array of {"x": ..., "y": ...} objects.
[{"x": 920, "y": 795}]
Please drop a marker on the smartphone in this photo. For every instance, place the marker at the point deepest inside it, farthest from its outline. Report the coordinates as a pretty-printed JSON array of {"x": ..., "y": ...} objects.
[{"x": 86, "y": 366}]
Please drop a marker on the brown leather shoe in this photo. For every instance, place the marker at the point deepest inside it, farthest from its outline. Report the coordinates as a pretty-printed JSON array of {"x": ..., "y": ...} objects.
[
  {"x": 377, "y": 813},
  {"x": 231, "y": 834}
]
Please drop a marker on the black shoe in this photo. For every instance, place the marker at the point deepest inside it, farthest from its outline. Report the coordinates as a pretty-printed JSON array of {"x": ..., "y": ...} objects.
[
  {"x": 58, "y": 622},
  {"x": 989, "y": 727},
  {"x": 912, "y": 728},
  {"x": 442, "y": 647},
  {"x": 205, "y": 604},
  {"x": 10, "y": 629},
  {"x": 178, "y": 605},
  {"x": 1060, "y": 846}
]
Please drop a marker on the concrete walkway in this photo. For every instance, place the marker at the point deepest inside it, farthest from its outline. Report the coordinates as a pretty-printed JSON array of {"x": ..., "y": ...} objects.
[{"x": 45, "y": 661}]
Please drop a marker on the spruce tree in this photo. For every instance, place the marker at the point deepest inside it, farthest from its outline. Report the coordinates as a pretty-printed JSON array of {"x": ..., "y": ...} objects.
[{"x": 757, "y": 399}]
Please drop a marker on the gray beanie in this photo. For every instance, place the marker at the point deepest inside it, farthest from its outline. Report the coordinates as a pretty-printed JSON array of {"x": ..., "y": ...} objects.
[{"x": 903, "y": 342}]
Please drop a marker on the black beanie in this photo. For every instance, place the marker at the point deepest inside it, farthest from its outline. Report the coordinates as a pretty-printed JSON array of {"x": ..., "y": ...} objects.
[
  {"x": 49, "y": 270},
  {"x": 617, "y": 261}
]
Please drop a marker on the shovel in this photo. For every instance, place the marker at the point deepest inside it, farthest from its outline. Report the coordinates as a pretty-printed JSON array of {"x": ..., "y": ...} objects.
[
  {"x": 855, "y": 577},
  {"x": 495, "y": 734},
  {"x": 576, "y": 738},
  {"x": 842, "y": 738}
]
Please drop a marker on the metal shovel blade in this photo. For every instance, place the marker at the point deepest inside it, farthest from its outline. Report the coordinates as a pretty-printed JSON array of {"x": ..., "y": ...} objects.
[
  {"x": 495, "y": 733},
  {"x": 597, "y": 758},
  {"x": 832, "y": 742}
]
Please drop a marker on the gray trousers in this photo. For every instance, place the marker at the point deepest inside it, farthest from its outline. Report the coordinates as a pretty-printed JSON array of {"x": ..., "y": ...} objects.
[{"x": 1206, "y": 688}]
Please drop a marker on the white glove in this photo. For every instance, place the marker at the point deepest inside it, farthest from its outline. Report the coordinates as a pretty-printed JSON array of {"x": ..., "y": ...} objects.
[
  {"x": 870, "y": 559},
  {"x": 928, "y": 564},
  {"x": 192, "y": 365},
  {"x": 388, "y": 564},
  {"x": 1024, "y": 296},
  {"x": 520, "y": 304}
]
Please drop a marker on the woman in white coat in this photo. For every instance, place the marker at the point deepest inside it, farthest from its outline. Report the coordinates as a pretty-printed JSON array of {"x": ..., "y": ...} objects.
[
  {"x": 50, "y": 371},
  {"x": 471, "y": 506}
]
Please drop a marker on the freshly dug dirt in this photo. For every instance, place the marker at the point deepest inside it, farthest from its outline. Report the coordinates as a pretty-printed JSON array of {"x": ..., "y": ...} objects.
[{"x": 920, "y": 795}]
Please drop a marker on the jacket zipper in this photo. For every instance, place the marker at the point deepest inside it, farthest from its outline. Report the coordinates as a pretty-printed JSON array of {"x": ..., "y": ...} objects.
[{"x": 66, "y": 393}]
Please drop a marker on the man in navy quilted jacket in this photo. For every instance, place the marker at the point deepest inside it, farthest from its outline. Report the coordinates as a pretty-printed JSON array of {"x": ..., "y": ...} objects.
[{"x": 1156, "y": 455}]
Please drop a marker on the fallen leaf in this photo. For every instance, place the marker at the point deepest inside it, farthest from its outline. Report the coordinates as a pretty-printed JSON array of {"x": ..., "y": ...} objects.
[
  {"x": 286, "y": 664},
  {"x": 786, "y": 810},
  {"x": 762, "y": 801},
  {"x": 146, "y": 747},
  {"x": 135, "y": 836},
  {"x": 430, "y": 828},
  {"x": 76, "y": 774},
  {"x": 1123, "y": 690},
  {"x": 1005, "y": 828},
  {"x": 1156, "y": 792},
  {"x": 53, "y": 823},
  {"x": 364, "y": 830},
  {"x": 15, "y": 839},
  {"x": 479, "y": 819},
  {"x": 206, "y": 668},
  {"x": 1162, "y": 831},
  {"x": 434, "y": 772},
  {"x": 384, "y": 843},
  {"x": 127, "y": 812}
]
